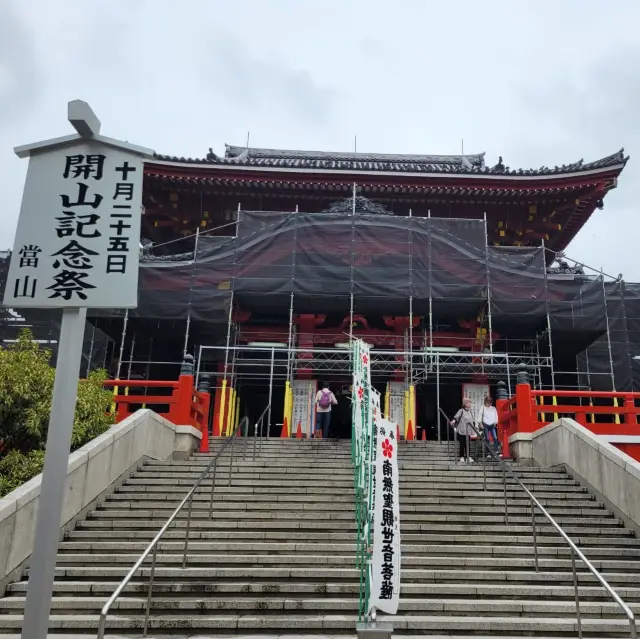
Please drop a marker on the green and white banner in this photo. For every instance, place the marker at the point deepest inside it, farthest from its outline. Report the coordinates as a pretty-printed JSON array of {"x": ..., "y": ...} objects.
[
  {"x": 384, "y": 591},
  {"x": 375, "y": 453}
]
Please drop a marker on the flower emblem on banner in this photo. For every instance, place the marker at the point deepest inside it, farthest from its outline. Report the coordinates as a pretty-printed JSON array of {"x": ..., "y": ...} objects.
[
  {"x": 387, "y": 448},
  {"x": 365, "y": 360},
  {"x": 360, "y": 392}
]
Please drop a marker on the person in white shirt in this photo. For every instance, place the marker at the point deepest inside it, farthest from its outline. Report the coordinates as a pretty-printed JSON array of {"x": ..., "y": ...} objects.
[
  {"x": 490, "y": 424},
  {"x": 325, "y": 399}
]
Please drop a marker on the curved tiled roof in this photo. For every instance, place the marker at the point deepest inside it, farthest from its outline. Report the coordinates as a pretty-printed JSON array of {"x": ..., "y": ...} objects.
[{"x": 326, "y": 160}]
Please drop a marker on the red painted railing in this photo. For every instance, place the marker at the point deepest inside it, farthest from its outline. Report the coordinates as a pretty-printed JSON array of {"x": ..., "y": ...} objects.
[
  {"x": 603, "y": 413},
  {"x": 179, "y": 402}
]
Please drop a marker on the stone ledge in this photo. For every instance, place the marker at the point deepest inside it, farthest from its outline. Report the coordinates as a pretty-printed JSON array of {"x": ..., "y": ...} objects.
[
  {"x": 92, "y": 469},
  {"x": 613, "y": 475}
]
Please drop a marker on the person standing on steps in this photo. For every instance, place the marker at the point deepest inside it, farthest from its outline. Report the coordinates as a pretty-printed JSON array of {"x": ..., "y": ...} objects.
[
  {"x": 489, "y": 421},
  {"x": 463, "y": 423},
  {"x": 325, "y": 399}
]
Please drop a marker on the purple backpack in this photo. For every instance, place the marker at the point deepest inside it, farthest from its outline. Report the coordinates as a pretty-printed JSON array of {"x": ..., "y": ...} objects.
[{"x": 325, "y": 398}]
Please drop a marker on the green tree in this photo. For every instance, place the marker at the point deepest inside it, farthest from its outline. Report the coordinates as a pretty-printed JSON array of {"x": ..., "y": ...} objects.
[{"x": 26, "y": 390}]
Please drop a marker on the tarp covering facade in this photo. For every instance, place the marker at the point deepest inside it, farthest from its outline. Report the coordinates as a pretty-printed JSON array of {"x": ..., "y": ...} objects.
[{"x": 383, "y": 261}]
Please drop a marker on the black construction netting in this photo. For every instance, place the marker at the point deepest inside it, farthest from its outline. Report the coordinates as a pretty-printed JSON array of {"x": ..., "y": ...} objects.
[{"x": 383, "y": 260}]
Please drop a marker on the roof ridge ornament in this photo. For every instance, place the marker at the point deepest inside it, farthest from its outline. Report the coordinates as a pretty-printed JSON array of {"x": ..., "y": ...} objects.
[{"x": 363, "y": 206}]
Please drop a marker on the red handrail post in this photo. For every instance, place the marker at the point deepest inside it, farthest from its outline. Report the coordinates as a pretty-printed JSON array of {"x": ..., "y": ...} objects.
[
  {"x": 502, "y": 406},
  {"x": 203, "y": 420},
  {"x": 524, "y": 409},
  {"x": 630, "y": 412},
  {"x": 581, "y": 416},
  {"x": 184, "y": 393}
]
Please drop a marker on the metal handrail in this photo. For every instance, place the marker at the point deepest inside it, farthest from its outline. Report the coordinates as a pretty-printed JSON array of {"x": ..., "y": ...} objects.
[
  {"x": 575, "y": 551},
  {"x": 153, "y": 546},
  {"x": 259, "y": 426}
]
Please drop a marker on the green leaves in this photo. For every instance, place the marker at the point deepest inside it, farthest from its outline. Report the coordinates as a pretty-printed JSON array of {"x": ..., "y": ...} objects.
[
  {"x": 26, "y": 390},
  {"x": 17, "y": 468}
]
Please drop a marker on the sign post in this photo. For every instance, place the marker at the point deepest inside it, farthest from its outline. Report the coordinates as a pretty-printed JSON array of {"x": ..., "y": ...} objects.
[{"x": 76, "y": 247}]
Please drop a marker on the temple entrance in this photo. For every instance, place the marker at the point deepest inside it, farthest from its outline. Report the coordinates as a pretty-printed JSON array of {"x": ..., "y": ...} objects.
[{"x": 341, "y": 418}]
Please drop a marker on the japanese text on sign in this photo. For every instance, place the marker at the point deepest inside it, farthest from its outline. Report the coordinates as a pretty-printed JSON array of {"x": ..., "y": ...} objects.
[{"x": 77, "y": 243}]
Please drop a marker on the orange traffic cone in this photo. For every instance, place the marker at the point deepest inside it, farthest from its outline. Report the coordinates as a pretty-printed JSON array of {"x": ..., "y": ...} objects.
[
  {"x": 285, "y": 429},
  {"x": 410, "y": 436},
  {"x": 424, "y": 435},
  {"x": 299, "y": 431}
]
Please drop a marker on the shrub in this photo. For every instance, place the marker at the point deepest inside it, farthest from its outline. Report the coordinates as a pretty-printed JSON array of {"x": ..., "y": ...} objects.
[
  {"x": 26, "y": 390},
  {"x": 16, "y": 468}
]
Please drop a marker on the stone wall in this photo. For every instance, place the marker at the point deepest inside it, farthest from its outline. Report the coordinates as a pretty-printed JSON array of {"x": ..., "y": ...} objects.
[
  {"x": 614, "y": 476},
  {"x": 93, "y": 471}
]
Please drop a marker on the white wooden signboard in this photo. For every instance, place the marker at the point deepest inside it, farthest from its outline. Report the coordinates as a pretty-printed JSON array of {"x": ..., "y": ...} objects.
[
  {"x": 304, "y": 395},
  {"x": 476, "y": 393},
  {"x": 78, "y": 237}
]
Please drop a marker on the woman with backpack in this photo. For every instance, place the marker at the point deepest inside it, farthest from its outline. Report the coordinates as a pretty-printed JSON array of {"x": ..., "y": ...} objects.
[{"x": 325, "y": 399}]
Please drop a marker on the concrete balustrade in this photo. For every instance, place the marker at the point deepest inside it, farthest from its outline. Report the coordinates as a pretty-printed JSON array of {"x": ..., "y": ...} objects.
[
  {"x": 613, "y": 475},
  {"x": 94, "y": 470}
]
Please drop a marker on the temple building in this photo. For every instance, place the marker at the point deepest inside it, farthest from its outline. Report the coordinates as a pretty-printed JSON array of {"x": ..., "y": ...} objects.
[{"x": 263, "y": 263}]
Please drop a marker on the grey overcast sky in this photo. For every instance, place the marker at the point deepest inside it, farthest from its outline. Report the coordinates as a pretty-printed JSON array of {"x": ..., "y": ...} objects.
[{"x": 540, "y": 82}]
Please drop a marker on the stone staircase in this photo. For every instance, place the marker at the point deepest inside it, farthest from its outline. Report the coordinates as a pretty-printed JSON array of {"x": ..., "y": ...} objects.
[{"x": 278, "y": 555}]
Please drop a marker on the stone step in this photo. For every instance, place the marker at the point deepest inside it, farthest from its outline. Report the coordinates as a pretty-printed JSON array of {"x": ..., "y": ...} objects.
[
  {"x": 597, "y": 543},
  {"x": 290, "y": 635},
  {"x": 452, "y": 625},
  {"x": 341, "y": 502},
  {"x": 569, "y": 492},
  {"x": 287, "y": 548},
  {"x": 278, "y": 554},
  {"x": 306, "y": 574},
  {"x": 159, "y": 492},
  {"x": 125, "y": 522},
  {"x": 324, "y": 605},
  {"x": 300, "y": 559},
  {"x": 200, "y": 510},
  {"x": 462, "y": 591},
  {"x": 346, "y": 479},
  {"x": 289, "y": 510},
  {"x": 416, "y": 466}
]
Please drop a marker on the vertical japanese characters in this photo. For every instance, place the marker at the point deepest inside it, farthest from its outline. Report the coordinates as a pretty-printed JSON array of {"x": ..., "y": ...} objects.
[
  {"x": 79, "y": 229},
  {"x": 376, "y": 484},
  {"x": 385, "y": 564}
]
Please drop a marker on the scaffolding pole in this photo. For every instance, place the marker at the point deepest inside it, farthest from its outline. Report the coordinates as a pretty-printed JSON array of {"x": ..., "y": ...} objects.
[
  {"x": 133, "y": 345},
  {"x": 626, "y": 331},
  {"x": 148, "y": 370},
  {"x": 411, "y": 302},
  {"x": 351, "y": 258},
  {"x": 429, "y": 234},
  {"x": 193, "y": 275},
  {"x": 586, "y": 350},
  {"x": 273, "y": 356},
  {"x": 223, "y": 398},
  {"x": 290, "y": 356},
  {"x": 124, "y": 334},
  {"x": 93, "y": 338},
  {"x": 438, "y": 396},
  {"x": 606, "y": 319},
  {"x": 546, "y": 301},
  {"x": 486, "y": 259}
]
